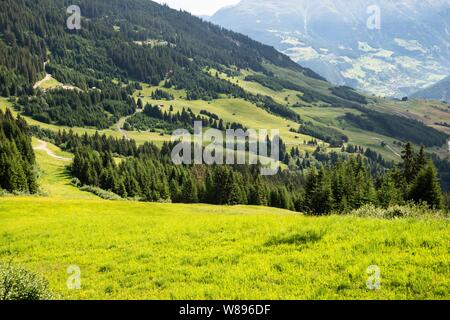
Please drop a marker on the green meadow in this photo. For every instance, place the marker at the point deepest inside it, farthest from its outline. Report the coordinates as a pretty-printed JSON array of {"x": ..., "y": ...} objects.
[
  {"x": 131, "y": 250},
  {"x": 164, "y": 251}
]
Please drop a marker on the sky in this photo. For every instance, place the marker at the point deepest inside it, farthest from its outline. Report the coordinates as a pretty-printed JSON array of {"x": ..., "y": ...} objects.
[{"x": 199, "y": 7}]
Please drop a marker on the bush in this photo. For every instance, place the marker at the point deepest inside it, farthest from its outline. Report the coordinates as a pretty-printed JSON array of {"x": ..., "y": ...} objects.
[
  {"x": 397, "y": 211},
  {"x": 16, "y": 283},
  {"x": 107, "y": 195},
  {"x": 76, "y": 182}
]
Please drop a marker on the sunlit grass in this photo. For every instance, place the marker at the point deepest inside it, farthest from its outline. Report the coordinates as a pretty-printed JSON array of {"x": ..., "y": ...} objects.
[{"x": 130, "y": 250}]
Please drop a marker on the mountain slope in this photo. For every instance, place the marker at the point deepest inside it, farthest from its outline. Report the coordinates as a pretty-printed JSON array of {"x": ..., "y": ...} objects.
[
  {"x": 138, "y": 39},
  {"x": 410, "y": 50},
  {"x": 129, "y": 250},
  {"x": 439, "y": 91},
  {"x": 130, "y": 49}
]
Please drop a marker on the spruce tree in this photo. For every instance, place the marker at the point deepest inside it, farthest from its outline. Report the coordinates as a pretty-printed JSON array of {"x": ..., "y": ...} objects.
[
  {"x": 408, "y": 165},
  {"x": 426, "y": 187}
]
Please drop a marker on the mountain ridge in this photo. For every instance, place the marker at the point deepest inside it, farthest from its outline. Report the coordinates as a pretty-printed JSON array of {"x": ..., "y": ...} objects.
[
  {"x": 439, "y": 91},
  {"x": 331, "y": 37}
]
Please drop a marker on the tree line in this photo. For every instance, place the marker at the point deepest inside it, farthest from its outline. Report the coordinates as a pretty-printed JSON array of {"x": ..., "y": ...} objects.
[
  {"x": 99, "y": 108},
  {"x": 347, "y": 184},
  {"x": 17, "y": 159},
  {"x": 155, "y": 118},
  {"x": 330, "y": 135}
]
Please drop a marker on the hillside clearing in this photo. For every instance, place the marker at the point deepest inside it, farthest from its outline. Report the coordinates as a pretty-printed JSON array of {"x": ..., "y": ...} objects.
[
  {"x": 54, "y": 180},
  {"x": 42, "y": 146},
  {"x": 129, "y": 250},
  {"x": 132, "y": 250}
]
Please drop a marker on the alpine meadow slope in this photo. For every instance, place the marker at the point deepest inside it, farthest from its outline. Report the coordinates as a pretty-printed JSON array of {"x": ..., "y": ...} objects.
[{"x": 90, "y": 191}]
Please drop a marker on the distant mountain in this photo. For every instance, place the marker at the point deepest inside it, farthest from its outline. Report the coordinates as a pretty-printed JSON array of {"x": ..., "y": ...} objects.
[
  {"x": 204, "y": 17},
  {"x": 409, "y": 52},
  {"x": 439, "y": 91}
]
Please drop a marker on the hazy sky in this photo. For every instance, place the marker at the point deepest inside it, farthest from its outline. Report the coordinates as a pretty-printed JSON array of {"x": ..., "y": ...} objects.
[{"x": 199, "y": 7}]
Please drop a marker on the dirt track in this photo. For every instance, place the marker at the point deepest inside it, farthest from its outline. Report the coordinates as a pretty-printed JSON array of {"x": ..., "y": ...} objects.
[{"x": 43, "y": 147}]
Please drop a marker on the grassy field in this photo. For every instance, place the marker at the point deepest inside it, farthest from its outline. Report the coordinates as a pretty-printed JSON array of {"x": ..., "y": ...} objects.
[
  {"x": 164, "y": 251},
  {"x": 232, "y": 110},
  {"x": 130, "y": 250},
  {"x": 50, "y": 83},
  {"x": 54, "y": 180}
]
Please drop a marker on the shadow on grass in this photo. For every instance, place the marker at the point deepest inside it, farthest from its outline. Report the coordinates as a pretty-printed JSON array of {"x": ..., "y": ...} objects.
[{"x": 303, "y": 238}]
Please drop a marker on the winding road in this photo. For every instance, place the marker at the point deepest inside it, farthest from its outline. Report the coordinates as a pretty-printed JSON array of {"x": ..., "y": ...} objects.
[
  {"x": 122, "y": 121},
  {"x": 42, "y": 146},
  {"x": 46, "y": 78}
]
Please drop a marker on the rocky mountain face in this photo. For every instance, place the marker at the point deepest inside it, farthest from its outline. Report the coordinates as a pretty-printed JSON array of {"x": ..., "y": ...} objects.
[
  {"x": 386, "y": 47},
  {"x": 439, "y": 91}
]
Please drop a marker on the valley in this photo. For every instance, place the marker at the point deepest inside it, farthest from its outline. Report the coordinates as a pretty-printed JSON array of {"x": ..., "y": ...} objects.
[
  {"x": 88, "y": 180},
  {"x": 130, "y": 250},
  {"x": 405, "y": 52}
]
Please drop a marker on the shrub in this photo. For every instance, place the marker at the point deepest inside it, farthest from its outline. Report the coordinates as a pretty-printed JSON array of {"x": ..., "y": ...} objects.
[
  {"x": 107, "y": 195},
  {"x": 398, "y": 211},
  {"x": 17, "y": 283},
  {"x": 76, "y": 182}
]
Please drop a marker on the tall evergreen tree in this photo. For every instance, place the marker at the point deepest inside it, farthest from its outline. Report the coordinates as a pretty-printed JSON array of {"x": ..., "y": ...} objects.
[{"x": 426, "y": 187}]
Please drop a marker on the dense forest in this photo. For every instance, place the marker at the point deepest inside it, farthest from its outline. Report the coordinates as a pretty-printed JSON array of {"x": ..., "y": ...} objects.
[
  {"x": 347, "y": 185},
  {"x": 335, "y": 184},
  {"x": 330, "y": 135},
  {"x": 139, "y": 40},
  {"x": 17, "y": 160},
  {"x": 99, "y": 108}
]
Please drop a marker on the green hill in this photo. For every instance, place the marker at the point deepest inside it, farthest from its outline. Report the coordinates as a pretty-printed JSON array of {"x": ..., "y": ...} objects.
[{"x": 164, "y": 251}]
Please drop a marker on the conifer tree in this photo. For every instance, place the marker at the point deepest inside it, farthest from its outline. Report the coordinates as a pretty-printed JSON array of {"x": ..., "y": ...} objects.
[
  {"x": 426, "y": 187},
  {"x": 408, "y": 165}
]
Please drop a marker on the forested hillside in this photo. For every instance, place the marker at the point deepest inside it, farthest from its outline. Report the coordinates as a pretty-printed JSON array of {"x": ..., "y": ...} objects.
[
  {"x": 340, "y": 185},
  {"x": 17, "y": 160},
  {"x": 125, "y": 48},
  {"x": 135, "y": 39}
]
